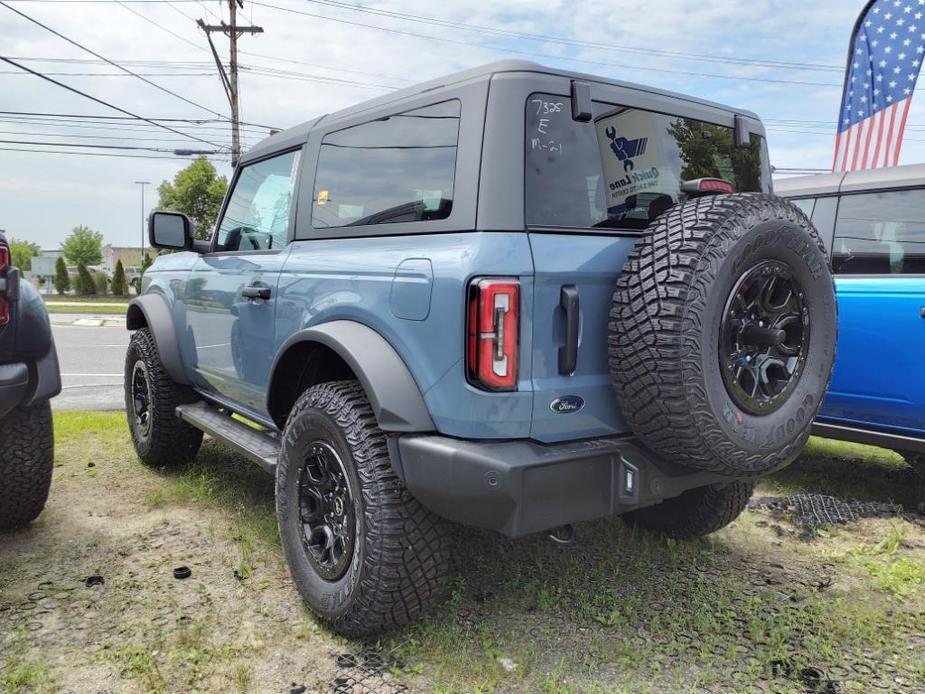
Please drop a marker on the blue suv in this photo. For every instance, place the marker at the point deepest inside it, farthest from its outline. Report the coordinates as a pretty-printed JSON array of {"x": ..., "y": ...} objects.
[
  {"x": 874, "y": 224},
  {"x": 513, "y": 298}
]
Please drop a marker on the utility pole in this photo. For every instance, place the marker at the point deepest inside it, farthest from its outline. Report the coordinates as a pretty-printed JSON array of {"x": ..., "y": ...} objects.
[
  {"x": 142, "y": 184},
  {"x": 230, "y": 78}
]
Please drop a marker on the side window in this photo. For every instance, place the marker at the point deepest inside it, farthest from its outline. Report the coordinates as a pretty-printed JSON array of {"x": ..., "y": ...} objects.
[
  {"x": 805, "y": 204},
  {"x": 399, "y": 168},
  {"x": 880, "y": 233},
  {"x": 257, "y": 215}
]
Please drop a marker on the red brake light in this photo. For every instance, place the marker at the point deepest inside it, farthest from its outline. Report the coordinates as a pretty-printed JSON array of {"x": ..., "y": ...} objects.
[
  {"x": 4, "y": 306},
  {"x": 715, "y": 185},
  {"x": 492, "y": 336}
]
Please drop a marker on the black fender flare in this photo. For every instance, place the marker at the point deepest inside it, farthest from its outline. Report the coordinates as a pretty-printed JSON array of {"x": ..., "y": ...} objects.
[
  {"x": 393, "y": 393},
  {"x": 151, "y": 310}
]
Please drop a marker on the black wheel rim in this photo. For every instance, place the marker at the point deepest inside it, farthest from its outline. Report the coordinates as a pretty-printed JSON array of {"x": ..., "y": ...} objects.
[
  {"x": 764, "y": 337},
  {"x": 141, "y": 398},
  {"x": 326, "y": 511}
]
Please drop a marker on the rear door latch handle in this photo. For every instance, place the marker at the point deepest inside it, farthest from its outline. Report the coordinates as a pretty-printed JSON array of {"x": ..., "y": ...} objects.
[
  {"x": 922, "y": 312},
  {"x": 568, "y": 353},
  {"x": 256, "y": 291}
]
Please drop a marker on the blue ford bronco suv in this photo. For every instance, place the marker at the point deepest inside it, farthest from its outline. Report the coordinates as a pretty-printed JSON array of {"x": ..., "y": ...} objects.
[
  {"x": 513, "y": 298},
  {"x": 29, "y": 378},
  {"x": 874, "y": 223}
]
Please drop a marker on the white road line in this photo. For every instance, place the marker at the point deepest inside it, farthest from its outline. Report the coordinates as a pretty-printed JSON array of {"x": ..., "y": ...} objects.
[
  {"x": 93, "y": 375},
  {"x": 93, "y": 385}
]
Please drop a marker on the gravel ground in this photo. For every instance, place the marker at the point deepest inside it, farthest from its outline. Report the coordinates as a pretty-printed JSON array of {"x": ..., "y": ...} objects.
[{"x": 754, "y": 608}]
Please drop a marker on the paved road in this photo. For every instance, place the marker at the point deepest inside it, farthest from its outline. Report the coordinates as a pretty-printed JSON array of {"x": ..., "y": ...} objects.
[{"x": 91, "y": 354}]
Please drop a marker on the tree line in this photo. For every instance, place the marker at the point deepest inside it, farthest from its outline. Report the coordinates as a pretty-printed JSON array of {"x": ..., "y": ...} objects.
[{"x": 197, "y": 191}]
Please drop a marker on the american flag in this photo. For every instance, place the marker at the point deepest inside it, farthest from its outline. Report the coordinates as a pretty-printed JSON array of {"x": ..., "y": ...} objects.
[{"x": 887, "y": 49}]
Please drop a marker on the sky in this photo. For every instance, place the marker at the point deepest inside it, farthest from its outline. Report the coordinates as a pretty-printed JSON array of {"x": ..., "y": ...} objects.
[{"x": 782, "y": 59}]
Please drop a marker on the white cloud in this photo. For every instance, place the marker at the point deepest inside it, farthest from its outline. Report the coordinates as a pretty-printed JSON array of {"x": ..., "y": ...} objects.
[{"x": 43, "y": 195}]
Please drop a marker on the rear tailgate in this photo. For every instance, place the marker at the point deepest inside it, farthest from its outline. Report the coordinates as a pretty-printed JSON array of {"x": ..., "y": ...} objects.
[
  {"x": 591, "y": 189},
  {"x": 589, "y": 265}
]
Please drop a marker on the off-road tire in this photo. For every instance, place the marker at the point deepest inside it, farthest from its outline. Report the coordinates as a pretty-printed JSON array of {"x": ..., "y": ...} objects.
[
  {"x": 26, "y": 463},
  {"x": 696, "y": 512},
  {"x": 400, "y": 551},
  {"x": 665, "y": 326},
  {"x": 170, "y": 442}
]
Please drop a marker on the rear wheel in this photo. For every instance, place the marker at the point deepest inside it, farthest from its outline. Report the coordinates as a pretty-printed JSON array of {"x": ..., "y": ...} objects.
[
  {"x": 722, "y": 333},
  {"x": 363, "y": 553},
  {"x": 160, "y": 438},
  {"x": 696, "y": 512},
  {"x": 26, "y": 463}
]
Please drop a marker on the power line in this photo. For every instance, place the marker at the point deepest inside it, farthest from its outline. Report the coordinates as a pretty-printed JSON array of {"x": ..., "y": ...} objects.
[
  {"x": 108, "y": 61},
  {"x": 101, "y": 101},
  {"x": 436, "y": 21},
  {"x": 100, "y": 154},
  {"x": 81, "y": 144},
  {"x": 535, "y": 54},
  {"x": 85, "y": 136},
  {"x": 124, "y": 5},
  {"x": 125, "y": 120},
  {"x": 548, "y": 38}
]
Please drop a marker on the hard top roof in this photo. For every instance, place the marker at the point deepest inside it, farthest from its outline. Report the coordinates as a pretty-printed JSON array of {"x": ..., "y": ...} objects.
[
  {"x": 908, "y": 176},
  {"x": 299, "y": 133}
]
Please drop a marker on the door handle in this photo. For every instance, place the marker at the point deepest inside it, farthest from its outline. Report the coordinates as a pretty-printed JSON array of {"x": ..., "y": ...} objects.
[
  {"x": 256, "y": 291},
  {"x": 568, "y": 353},
  {"x": 922, "y": 312}
]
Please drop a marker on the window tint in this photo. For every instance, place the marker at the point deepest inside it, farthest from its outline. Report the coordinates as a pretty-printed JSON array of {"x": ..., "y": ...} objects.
[
  {"x": 805, "y": 204},
  {"x": 880, "y": 233},
  {"x": 257, "y": 216},
  {"x": 626, "y": 167},
  {"x": 399, "y": 168}
]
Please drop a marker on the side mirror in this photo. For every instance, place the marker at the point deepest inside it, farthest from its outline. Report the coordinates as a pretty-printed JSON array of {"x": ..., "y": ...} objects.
[{"x": 171, "y": 230}]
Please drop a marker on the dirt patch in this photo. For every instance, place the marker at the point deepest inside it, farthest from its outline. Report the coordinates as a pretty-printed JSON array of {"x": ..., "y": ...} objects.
[{"x": 753, "y": 608}]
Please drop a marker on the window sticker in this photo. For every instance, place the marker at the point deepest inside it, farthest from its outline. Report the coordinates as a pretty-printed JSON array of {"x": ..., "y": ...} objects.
[
  {"x": 430, "y": 198},
  {"x": 350, "y": 212},
  {"x": 323, "y": 196}
]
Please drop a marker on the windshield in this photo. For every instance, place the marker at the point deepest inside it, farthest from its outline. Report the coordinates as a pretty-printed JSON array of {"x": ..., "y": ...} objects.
[{"x": 626, "y": 167}]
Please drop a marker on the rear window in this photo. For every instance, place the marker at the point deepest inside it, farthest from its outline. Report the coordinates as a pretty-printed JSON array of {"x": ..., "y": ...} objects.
[
  {"x": 626, "y": 167},
  {"x": 880, "y": 233},
  {"x": 399, "y": 168}
]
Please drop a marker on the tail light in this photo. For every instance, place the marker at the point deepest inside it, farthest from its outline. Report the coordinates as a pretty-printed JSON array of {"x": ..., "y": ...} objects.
[
  {"x": 706, "y": 186},
  {"x": 4, "y": 305},
  {"x": 493, "y": 333}
]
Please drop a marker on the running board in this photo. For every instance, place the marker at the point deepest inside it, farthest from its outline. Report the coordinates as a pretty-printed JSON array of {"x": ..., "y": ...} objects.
[
  {"x": 871, "y": 437},
  {"x": 258, "y": 446}
]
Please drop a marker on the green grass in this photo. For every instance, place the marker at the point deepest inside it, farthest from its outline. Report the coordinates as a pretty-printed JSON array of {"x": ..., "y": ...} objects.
[
  {"x": 94, "y": 309},
  {"x": 622, "y": 610},
  {"x": 106, "y": 299},
  {"x": 26, "y": 675}
]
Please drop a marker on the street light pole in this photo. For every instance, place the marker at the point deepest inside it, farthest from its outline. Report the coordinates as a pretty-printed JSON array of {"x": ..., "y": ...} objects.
[{"x": 141, "y": 259}]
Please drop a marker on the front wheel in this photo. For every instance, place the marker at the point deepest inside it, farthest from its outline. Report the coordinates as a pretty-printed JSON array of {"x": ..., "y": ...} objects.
[
  {"x": 160, "y": 438},
  {"x": 696, "y": 512},
  {"x": 363, "y": 553}
]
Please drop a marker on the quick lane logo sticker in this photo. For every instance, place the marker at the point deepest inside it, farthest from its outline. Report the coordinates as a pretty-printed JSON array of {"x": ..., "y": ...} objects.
[
  {"x": 566, "y": 404},
  {"x": 626, "y": 150}
]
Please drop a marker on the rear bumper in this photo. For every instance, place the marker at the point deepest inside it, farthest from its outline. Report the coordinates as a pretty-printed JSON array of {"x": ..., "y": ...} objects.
[{"x": 522, "y": 487}]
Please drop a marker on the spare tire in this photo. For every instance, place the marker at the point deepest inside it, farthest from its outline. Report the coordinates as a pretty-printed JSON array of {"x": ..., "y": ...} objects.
[{"x": 722, "y": 333}]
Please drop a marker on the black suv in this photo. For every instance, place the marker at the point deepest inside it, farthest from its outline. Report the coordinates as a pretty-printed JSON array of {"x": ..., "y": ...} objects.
[{"x": 29, "y": 378}]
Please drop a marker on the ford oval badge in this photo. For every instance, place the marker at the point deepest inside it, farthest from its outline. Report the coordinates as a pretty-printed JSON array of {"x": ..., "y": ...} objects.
[{"x": 566, "y": 404}]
